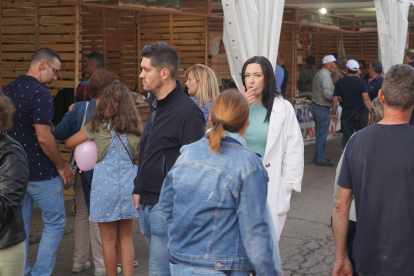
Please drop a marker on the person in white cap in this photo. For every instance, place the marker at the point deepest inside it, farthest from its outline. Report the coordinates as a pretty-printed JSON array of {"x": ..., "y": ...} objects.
[
  {"x": 355, "y": 102},
  {"x": 322, "y": 93}
]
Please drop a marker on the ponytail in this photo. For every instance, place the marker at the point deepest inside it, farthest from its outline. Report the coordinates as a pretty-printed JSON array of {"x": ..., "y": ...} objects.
[
  {"x": 215, "y": 135},
  {"x": 230, "y": 112}
]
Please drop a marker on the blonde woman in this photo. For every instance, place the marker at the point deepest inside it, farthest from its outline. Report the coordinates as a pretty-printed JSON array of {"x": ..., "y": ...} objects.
[{"x": 202, "y": 87}]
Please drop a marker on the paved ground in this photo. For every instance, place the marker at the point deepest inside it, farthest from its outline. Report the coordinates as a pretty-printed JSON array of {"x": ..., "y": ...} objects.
[{"x": 306, "y": 244}]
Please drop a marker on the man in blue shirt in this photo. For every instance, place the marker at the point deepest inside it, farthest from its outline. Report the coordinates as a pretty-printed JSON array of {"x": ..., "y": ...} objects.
[
  {"x": 32, "y": 129},
  {"x": 374, "y": 71},
  {"x": 281, "y": 63},
  {"x": 354, "y": 94},
  {"x": 279, "y": 75}
]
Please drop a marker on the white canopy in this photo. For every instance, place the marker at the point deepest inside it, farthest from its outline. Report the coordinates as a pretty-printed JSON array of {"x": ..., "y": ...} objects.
[
  {"x": 392, "y": 30},
  {"x": 251, "y": 29}
]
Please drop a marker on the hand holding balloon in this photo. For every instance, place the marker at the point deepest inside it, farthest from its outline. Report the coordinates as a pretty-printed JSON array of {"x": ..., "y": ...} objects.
[{"x": 86, "y": 156}]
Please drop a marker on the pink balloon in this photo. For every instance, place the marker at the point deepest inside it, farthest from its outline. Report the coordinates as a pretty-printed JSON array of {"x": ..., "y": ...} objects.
[{"x": 86, "y": 155}]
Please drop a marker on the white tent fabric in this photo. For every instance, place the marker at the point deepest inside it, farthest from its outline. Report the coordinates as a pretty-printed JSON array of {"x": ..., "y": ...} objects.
[
  {"x": 392, "y": 30},
  {"x": 251, "y": 28}
]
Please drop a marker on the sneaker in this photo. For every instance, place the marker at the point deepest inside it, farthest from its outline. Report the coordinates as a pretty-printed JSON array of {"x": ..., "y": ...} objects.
[
  {"x": 120, "y": 264},
  {"x": 101, "y": 271},
  {"x": 78, "y": 268},
  {"x": 329, "y": 160},
  {"x": 325, "y": 164}
]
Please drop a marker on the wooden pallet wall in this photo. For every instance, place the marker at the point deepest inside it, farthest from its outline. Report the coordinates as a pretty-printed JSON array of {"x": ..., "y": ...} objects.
[
  {"x": 26, "y": 27},
  {"x": 369, "y": 47},
  {"x": 120, "y": 35},
  {"x": 113, "y": 33},
  {"x": 357, "y": 46}
]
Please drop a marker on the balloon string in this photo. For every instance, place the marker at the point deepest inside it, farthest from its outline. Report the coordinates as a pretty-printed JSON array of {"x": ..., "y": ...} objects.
[{"x": 80, "y": 171}]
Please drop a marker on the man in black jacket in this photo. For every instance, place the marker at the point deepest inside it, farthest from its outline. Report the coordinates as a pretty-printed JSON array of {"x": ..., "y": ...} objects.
[
  {"x": 14, "y": 172},
  {"x": 174, "y": 120}
]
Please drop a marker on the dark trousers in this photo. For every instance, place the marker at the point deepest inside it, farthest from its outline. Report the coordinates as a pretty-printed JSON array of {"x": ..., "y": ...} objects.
[{"x": 349, "y": 243}]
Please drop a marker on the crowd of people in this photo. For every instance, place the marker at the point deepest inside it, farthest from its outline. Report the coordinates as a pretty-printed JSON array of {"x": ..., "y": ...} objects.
[
  {"x": 206, "y": 168},
  {"x": 354, "y": 92},
  {"x": 210, "y": 175}
]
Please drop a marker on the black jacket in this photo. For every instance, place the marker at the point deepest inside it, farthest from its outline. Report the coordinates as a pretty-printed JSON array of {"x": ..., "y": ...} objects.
[
  {"x": 14, "y": 173},
  {"x": 178, "y": 121}
]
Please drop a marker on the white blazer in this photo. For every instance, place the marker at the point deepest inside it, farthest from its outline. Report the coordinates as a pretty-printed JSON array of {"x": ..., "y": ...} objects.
[{"x": 283, "y": 160}]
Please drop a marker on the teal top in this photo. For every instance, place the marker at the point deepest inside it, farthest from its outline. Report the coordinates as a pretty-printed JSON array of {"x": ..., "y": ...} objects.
[{"x": 256, "y": 133}]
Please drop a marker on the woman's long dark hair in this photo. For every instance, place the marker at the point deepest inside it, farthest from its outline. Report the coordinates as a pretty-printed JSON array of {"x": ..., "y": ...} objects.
[{"x": 269, "y": 89}]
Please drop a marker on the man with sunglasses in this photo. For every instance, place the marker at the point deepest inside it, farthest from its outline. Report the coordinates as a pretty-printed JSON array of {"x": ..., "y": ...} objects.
[{"x": 32, "y": 122}]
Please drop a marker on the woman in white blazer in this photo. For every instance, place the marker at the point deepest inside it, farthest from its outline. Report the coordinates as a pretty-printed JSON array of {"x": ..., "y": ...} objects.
[{"x": 275, "y": 134}]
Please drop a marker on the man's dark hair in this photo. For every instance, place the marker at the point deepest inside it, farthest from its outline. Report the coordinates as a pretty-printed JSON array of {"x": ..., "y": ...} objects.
[
  {"x": 96, "y": 59},
  {"x": 161, "y": 56},
  {"x": 310, "y": 60},
  {"x": 352, "y": 71},
  {"x": 410, "y": 54},
  {"x": 398, "y": 87},
  {"x": 46, "y": 54},
  {"x": 376, "y": 65}
]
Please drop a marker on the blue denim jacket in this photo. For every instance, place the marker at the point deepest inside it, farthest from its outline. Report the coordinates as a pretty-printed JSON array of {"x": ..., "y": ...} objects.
[
  {"x": 72, "y": 121},
  {"x": 215, "y": 206}
]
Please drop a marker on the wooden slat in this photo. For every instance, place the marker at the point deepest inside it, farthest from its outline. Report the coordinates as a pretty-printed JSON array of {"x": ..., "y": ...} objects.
[
  {"x": 5, "y": 21},
  {"x": 56, "y": 29},
  {"x": 57, "y": 20},
  {"x": 18, "y": 47},
  {"x": 57, "y": 11},
  {"x": 56, "y": 38},
  {"x": 17, "y": 12}
]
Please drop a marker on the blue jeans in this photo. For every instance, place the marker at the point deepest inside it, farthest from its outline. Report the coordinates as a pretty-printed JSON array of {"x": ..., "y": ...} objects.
[
  {"x": 322, "y": 117},
  {"x": 346, "y": 133},
  {"x": 86, "y": 179},
  {"x": 183, "y": 270},
  {"x": 155, "y": 230},
  {"x": 368, "y": 274},
  {"x": 48, "y": 195}
]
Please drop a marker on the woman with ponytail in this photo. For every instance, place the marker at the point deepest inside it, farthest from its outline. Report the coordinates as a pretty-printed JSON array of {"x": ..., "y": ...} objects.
[
  {"x": 116, "y": 128},
  {"x": 275, "y": 134},
  {"x": 214, "y": 200}
]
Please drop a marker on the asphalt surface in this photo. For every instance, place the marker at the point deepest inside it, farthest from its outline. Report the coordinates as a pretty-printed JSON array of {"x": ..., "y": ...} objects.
[{"x": 306, "y": 244}]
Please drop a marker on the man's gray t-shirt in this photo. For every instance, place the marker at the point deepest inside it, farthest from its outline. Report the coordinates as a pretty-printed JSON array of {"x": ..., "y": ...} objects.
[{"x": 378, "y": 165}]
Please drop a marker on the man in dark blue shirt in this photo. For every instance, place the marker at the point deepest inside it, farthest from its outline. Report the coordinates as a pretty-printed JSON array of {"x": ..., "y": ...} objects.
[
  {"x": 32, "y": 129},
  {"x": 378, "y": 173},
  {"x": 281, "y": 63},
  {"x": 374, "y": 71},
  {"x": 354, "y": 94}
]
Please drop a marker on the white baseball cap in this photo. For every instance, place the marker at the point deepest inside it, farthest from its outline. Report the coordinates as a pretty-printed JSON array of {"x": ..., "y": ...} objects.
[
  {"x": 352, "y": 65},
  {"x": 328, "y": 59}
]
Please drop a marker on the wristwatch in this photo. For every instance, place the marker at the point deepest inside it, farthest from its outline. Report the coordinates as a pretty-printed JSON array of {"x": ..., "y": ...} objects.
[{"x": 333, "y": 112}]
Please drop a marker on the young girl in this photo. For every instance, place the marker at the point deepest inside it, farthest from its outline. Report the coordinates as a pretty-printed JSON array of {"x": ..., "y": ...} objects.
[
  {"x": 214, "y": 200},
  {"x": 116, "y": 128}
]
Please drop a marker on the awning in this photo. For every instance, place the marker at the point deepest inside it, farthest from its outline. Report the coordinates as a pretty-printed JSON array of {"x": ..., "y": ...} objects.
[{"x": 392, "y": 30}]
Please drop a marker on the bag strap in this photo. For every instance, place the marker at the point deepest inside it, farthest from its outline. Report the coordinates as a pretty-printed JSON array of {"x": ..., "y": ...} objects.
[
  {"x": 84, "y": 115},
  {"x": 123, "y": 145}
]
